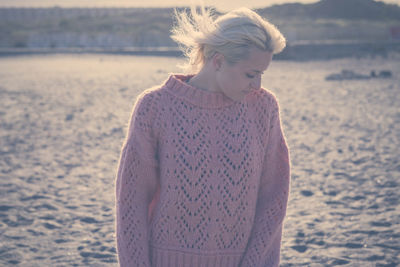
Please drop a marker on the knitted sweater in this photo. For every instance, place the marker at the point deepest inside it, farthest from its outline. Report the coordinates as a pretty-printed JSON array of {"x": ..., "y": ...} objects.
[{"x": 202, "y": 180}]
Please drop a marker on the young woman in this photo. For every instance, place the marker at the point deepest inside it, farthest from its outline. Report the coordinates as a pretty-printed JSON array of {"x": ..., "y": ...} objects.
[{"x": 203, "y": 178}]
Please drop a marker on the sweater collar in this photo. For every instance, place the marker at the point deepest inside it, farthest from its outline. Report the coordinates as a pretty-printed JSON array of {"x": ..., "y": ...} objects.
[{"x": 176, "y": 85}]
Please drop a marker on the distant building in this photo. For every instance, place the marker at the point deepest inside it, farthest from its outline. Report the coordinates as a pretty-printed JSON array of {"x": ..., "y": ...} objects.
[{"x": 395, "y": 33}]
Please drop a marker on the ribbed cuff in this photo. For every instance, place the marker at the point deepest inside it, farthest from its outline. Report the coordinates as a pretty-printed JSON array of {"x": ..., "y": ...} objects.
[{"x": 161, "y": 257}]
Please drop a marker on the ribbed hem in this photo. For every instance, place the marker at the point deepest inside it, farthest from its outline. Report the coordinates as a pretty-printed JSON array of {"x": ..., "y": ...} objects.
[
  {"x": 161, "y": 257},
  {"x": 176, "y": 85}
]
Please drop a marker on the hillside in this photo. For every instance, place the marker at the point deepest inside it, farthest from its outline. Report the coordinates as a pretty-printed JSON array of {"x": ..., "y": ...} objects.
[
  {"x": 336, "y": 9},
  {"x": 335, "y": 20}
]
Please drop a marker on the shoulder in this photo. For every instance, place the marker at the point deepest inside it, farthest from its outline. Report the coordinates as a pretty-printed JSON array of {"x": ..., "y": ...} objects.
[
  {"x": 148, "y": 97},
  {"x": 149, "y": 100},
  {"x": 265, "y": 99},
  {"x": 153, "y": 95},
  {"x": 145, "y": 110}
]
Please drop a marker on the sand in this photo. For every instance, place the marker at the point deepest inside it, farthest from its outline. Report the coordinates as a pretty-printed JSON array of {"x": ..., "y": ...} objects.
[{"x": 63, "y": 120}]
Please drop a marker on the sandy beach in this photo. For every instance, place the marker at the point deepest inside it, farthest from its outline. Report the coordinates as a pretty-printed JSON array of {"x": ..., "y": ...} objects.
[{"x": 63, "y": 119}]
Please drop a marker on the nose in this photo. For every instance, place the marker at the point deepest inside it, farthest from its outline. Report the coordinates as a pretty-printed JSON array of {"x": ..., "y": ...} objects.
[{"x": 256, "y": 83}]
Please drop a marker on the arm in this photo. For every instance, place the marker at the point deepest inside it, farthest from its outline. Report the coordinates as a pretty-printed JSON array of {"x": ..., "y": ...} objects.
[
  {"x": 136, "y": 184},
  {"x": 263, "y": 248}
]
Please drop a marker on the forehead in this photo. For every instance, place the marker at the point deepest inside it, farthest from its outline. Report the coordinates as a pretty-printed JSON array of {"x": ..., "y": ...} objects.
[{"x": 257, "y": 60}]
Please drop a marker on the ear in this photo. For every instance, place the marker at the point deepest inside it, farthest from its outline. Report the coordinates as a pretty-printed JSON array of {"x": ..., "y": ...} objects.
[{"x": 217, "y": 60}]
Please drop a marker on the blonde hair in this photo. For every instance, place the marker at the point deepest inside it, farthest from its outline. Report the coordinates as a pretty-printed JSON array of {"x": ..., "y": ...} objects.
[{"x": 200, "y": 36}]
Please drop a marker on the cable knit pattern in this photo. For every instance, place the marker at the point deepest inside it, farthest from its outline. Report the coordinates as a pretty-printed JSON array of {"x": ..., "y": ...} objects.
[{"x": 203, "y": 180}]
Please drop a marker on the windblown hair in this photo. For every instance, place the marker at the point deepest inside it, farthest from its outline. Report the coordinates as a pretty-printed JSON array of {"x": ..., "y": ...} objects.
[{"x": 200, "y": 35}]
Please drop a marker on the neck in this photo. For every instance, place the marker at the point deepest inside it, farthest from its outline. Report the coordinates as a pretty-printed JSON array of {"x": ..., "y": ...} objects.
[{"x": 205, "y": 80}]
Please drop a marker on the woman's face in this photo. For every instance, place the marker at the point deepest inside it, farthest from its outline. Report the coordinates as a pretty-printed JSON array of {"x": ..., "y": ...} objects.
[{"x": 237, "y": 80}]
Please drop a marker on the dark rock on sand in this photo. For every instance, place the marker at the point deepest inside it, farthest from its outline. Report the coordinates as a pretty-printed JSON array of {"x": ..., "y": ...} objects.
[{"x": 352, "y": 75}]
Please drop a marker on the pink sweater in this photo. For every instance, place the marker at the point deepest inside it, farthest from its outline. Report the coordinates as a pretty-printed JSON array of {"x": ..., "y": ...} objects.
[{"x": 202, "y": 180}]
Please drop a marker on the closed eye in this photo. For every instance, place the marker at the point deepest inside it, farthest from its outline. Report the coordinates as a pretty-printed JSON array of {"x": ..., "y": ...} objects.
[{"x": 249, "y": 76}]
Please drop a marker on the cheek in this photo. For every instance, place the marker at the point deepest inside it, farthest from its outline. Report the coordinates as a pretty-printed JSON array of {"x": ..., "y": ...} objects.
[
  {"x": 235, "y": 79},
  {"x": 226, "y": 80},
  {"x": 240, "y": 82},
  {"x": 235, "y": 83},
  {"x": 232, "y": 81}
]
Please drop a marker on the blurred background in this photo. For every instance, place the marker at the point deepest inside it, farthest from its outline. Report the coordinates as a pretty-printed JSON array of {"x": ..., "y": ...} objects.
[
  {"x": 314, "y": 29},
  {"x": 71, "y": 70}
]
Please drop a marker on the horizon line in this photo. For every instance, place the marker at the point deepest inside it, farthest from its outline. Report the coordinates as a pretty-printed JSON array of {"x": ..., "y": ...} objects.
[{"x": 133, "y": 6}]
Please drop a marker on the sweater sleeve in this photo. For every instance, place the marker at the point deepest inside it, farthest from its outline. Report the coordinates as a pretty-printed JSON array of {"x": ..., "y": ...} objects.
[
  {"x": 263, "y": 248},
  {"x": 136, "y": 184}
]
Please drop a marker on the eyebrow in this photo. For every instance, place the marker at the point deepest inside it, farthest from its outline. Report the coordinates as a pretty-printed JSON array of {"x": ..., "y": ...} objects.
[{"x": 258, "y": 71}]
